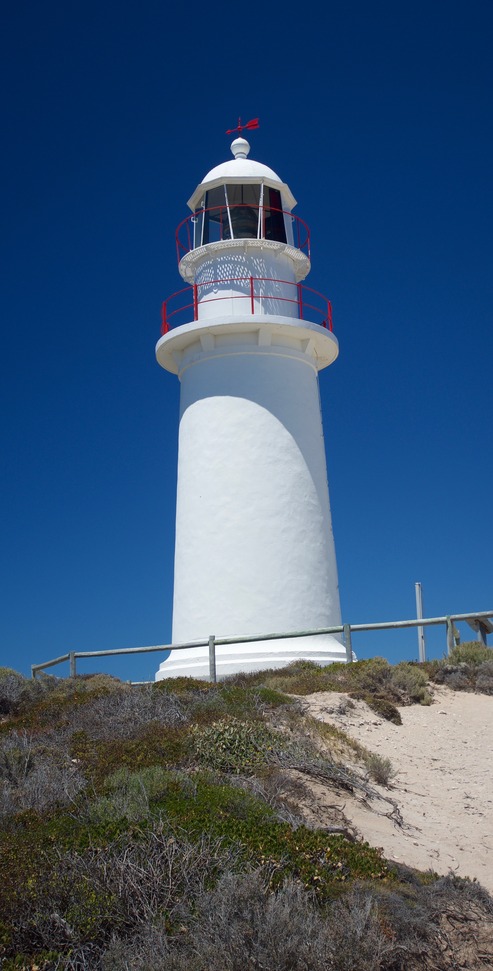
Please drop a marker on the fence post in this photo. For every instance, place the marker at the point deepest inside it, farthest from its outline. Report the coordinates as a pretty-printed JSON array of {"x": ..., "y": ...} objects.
[
  {"x": 33, "y": 670},
  {"x": 450, "y": 636},
  {"x": 212, "y": 658},
  {"x": 347, "y": 642},
  {"x": 419, "y": 615},
  {"x": 72, "y": 664}
]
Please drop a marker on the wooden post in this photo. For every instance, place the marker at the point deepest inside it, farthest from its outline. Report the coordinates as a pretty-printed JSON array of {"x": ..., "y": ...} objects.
[
  {"x": 212, "y": 658},
  {"x": 419, "y": 615},
  {"x": 347, "y": 642},
  {"x": 450, "y": 635},
  {"x": 72, "y": 664}
]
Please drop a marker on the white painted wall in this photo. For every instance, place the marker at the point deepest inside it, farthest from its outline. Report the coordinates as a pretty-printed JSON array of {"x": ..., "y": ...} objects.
[
  {"x": 254, "y": 544},
  {"x": 274, "y": 275}
]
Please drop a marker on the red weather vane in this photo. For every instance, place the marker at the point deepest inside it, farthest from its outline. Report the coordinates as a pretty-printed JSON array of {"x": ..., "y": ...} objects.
[{"x": 250, "y": 124}]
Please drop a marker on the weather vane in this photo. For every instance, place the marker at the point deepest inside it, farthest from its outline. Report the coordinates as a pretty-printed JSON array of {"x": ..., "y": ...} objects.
[{"x": 250, "y": 124}]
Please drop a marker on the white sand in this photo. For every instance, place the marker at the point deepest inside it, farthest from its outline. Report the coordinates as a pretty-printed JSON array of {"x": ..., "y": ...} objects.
[{"x": 443, "y": 758}]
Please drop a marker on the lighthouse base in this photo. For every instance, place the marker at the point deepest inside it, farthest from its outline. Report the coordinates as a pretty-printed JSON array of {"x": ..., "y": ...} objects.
[{"x": 252, "y": 656}]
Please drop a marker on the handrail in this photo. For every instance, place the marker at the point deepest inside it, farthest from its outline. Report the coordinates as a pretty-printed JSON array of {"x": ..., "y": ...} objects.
[
  {"x": 212, "y": 642},
  {"x": 185, "y": 231},
  {"x": 324, "y": 312}
]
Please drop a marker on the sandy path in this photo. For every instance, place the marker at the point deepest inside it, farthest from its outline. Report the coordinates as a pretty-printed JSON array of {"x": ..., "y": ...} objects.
[{"x": 443, "y": 758}]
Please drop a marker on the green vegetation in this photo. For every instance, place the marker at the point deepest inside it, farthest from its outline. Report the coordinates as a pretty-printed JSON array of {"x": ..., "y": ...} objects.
[
  {"x": 157, "y": 828},
  {"x": 469, "y": 668}
]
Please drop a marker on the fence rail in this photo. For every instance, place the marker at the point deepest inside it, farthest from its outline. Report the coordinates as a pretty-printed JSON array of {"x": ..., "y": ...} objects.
[{"x": 212, "y": 642}]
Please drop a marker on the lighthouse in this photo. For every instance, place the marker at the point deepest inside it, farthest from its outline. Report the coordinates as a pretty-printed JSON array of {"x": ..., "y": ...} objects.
[{"x": 254, "y": 547}]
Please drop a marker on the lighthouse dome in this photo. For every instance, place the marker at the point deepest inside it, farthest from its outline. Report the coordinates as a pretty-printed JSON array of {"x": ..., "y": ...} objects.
[
  {"x": 240, "y": 166},
  {"x": 242, "y": 170}
]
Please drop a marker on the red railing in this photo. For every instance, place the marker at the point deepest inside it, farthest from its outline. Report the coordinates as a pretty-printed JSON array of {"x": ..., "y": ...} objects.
[
  {"x": 225, "y": 222},
  {"x": 189, "y": 301}
]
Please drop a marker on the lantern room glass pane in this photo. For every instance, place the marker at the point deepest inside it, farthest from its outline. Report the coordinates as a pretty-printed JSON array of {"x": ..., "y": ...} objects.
[
  {"x": 215, "y": 216},
  {"x": 243, "y": 201},
  {"x": 233, "y": 211},
  {"x": 274, "y": 218}
]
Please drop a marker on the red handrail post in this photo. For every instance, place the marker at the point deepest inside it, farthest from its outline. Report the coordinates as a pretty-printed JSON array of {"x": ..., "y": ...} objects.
[
  {"x": 252, "y": 296},
  {"x": 300, "y": 301},
  {"x": 195, "y": 302},
  {"x": 329, "y": 315},
  {"x": 164, "y": 323}
]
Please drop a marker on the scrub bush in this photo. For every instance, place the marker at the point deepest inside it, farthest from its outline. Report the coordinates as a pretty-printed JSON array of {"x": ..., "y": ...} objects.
[
  {"x": 484, "y": 678},
  {"x": 469, "y": 668},
  {"x": 231, "y": 745},
  {"x": 411, "y": 682},
  {"x": 471, "y": 653},
  {"x": 155, "y": 745},
  {"x": 380, "y": 769},
  {"x": 85, "y": 898},
  {"x": 124, "y": 714},
  {"x": 381, "y": 706},
  {"x": 34, "y": 776},
  {"x": 130, "y": 795}
]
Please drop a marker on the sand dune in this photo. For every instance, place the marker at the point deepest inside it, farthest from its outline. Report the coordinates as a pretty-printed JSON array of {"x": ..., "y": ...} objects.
[{"x": 443, "y": 787}]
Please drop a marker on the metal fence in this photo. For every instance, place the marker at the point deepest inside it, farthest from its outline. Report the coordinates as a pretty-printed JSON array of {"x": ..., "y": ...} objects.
[{"x": 212, "y": 642}]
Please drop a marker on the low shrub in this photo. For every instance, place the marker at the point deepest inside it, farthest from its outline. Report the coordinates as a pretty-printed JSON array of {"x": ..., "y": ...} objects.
[
  {"x": 373, "y": 677},
  {"x": 298, "y": 680},
  {"x": 411, "y": 682},
  {"x": 470, "y": 652},
  {"x": 484, "y": 678},
  {"x": 242, "y": 924},
  {"x": 82, "y": 899},
  {"x": 183, "y": 685},
  {"x": 231, "y": 745},
  {"x": 35, "y": 776},
  {"x": 125, "y": 713},
  {"x": 385, "y": 709},
  {"x": 16, "y": 691},
  {"x": 270, "y": 698},
  {"x": 469, "y": 668},
  {"x": 455, "y": 676},
  {"x": 380, "y": 769},
  {"x": 131, "y": 795},
  {"x": 155, "y": 745}
]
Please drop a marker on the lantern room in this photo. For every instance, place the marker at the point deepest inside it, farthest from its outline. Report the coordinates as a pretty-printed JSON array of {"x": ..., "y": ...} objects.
[{"x": 241, "y": 199}]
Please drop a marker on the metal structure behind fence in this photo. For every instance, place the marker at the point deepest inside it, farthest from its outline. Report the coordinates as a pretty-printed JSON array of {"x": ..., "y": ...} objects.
[{"x": 212, "y": 642}]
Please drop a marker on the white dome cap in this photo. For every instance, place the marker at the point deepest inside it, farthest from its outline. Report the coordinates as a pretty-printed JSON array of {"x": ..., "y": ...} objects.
[
  {"x": 242, "y": 169},
  {"x": 240, "y": 165}
]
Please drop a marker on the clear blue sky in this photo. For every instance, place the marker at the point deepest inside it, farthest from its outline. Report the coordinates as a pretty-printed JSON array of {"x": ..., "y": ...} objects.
[{"x": 378, "y": 116}]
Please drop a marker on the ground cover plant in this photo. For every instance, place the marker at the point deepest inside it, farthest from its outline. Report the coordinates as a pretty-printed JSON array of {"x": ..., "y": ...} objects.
[
  {"x": 155, "y": 827},
  {"x": 468, "y": 668}
]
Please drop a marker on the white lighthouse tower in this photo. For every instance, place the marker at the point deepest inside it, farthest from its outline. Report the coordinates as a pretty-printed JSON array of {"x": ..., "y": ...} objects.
[{"x": 254, "y": 546}]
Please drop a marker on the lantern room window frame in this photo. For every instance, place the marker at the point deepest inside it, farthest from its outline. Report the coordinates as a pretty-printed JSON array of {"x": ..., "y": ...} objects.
[
  {"x": 190, "y": 233},
  {"x": 242, "y": 210}
]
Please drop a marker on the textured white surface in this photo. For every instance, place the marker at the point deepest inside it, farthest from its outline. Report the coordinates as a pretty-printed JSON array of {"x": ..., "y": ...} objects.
[
  {"x": 185, "y": 345},
  {"x": 254, "y": 544},
  {"x": 253, "y": 252},
  {"x": 226, "y": 274},
  {"x": 241, "y": 168}
]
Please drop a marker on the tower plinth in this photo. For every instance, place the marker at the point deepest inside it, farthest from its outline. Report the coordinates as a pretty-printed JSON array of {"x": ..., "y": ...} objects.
[{"x": 254, "y": 546}]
